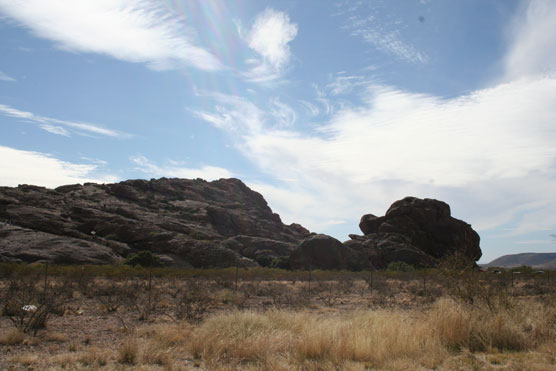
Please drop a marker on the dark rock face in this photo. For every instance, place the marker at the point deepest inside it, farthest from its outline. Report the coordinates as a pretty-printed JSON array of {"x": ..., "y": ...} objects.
[
  {"x": 264, "y": 251},
  {"x": 186, "y": 222},
  {"x": 194, "y": 223},
  {"x": 319, "y": 251},
  {"x": 416, "y": 231},
  {"x": 25, "y": 245}
]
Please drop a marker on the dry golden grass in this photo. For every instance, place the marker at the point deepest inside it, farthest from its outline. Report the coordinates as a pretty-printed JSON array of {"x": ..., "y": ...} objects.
[
  {"x": 299, "y": 339},
  {"x": 390, "y": 339},
  {"x": 128, "y": 351},
  {"x": 63, "y": 360},
  {"x": 25, "y": 359},
  {"x": 94, "y": 357},
  {"x": 12, "y": 336},
  {"x": 56, "y": 336},
  {"x": 515, "y": 327}
]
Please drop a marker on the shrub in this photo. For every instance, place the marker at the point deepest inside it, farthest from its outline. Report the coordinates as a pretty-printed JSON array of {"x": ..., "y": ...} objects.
[
  {"x": 191, "y": 303},
  {"x": 142, "y": 296},
  {"x": 456, "y": 261},
  {"x": 28, "y": 301},
  {"x": 400, "y": 266},
  {"x": 281, "y": 262},
  {"x": 525, "y": 269},
  {"x": 143, "y": 258}
]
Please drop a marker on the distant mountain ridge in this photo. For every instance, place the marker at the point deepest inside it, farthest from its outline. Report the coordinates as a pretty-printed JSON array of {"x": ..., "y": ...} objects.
[{"x": 535, "y": 260}]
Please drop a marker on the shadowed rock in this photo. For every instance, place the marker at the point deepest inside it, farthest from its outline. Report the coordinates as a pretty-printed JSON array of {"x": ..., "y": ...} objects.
[
  {"x": 319, "y": 251},
  {"x": 416, "y": 231},
  {"x": 187, "y": 222}
]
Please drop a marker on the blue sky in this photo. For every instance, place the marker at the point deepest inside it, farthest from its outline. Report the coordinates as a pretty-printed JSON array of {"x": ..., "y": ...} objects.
[{"x": 330, "y": 109}]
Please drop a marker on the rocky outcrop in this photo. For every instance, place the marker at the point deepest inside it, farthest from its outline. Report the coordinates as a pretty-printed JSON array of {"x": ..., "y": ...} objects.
[
  {"x": 186, "y": 222},
  {"x": 26, "y": 245},
  {"x": 416, "y": 231},
  {"x": 194, "y": 223},
  {"x": 319, "y": 251}
]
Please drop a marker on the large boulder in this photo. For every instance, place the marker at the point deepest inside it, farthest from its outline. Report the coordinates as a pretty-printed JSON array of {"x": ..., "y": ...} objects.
[
  {"x": 417, "y": 231},
  {"x": 319, "y": 251}
]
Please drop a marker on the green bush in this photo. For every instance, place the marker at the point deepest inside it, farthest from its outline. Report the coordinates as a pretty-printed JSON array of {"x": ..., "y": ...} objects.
[
  {"x": 144, "y": 258},
  {"x": 281, "y": 262}
]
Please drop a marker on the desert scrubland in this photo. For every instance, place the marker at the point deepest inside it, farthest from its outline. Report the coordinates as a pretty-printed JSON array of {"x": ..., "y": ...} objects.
[{"x": 86, "y": 317}]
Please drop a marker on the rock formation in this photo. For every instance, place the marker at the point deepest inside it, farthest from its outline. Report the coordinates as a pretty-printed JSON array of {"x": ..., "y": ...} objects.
[
  {"x": 186, "y": 222},
  {"x": 194, "y": 223},
  {"x": 319, "y": 251},
  {"x": 416, "y": 231}
]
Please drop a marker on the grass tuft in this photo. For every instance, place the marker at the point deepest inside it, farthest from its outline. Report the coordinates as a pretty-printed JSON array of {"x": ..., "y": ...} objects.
[
  {"x": 13, "y": 336},
  {"x": 128, "y": 351}
]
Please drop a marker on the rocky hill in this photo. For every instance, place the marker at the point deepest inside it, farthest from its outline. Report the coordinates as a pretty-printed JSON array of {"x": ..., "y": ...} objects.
[
  {"x": 194, "y": 223},
  {"x": 186, "y": 222},
  {"x": 535, "y": 260}
]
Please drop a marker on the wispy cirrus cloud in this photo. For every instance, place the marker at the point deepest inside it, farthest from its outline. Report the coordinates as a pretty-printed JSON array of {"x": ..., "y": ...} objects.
[
  {"x": 60, "y": 127},
  {"x": 270, "y": 36},
  {"x": 232, "y": 113},
  {"x": 343, "y": 83},
  {"x": 311, "y": 108},
  {"x": 29, "y": 167},
  {"x": 282, "y": 113},
  {"x": 5, "y": 77},
  {"x": 367, "y": 21},
  {"x": 390, "y": 42},
  {"x": 141, "y": 31},
  {"x": 177, "y": 170},
  {"x": 240, "y": 116},
  {"x": 54, "y": 129}
]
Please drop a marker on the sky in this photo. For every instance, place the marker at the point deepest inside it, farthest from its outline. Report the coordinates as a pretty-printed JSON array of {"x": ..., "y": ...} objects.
[{"x": 330, "y": 109}]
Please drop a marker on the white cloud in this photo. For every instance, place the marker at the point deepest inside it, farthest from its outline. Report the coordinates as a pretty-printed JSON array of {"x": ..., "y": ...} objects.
[
  {"x": 391, "y": 43},
  {"x": 400, "y": 143},
  {"x": 140, "y": 31},
  {"x": 311, "y": 108},
  {"x": 58, "y": 130},
  {"x": 372, "y": 22},
  {"x": 270, "y": 36},
  {"x": 26, "y": 167},
  {"x": 4, "y": 77},
  {"x": 283, "y": 114},
  {"x": 49, "y": 124},
  {"x": 490, "y": 154},
  {"x": 242, "y": 117},
  {"x": 533, "y": 48},
  {"x": 232, "y": 113},
  {"x": 343, "y": 84},
  {"x": 174, "y": 170}
]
